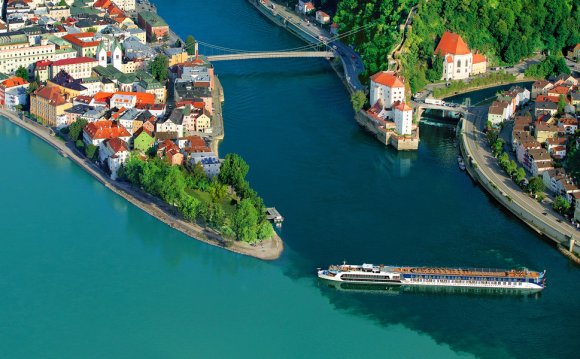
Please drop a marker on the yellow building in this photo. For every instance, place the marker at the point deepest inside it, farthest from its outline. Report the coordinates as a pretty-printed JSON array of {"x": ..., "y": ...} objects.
[
  {"x": 176, "y": 56},
  {"x": 47, "y": 103},
  {"x": 543, "y": 131},
  {"x": 479, "y": 64}
]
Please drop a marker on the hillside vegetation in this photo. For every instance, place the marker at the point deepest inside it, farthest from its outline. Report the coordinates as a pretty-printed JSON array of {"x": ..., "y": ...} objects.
[{"x": 505, "y": 31}]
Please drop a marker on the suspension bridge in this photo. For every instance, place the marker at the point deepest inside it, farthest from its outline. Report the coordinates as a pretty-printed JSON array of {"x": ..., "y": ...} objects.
[
  {"x": 272, "y": 55},
  {"x": 321, "y": 44}
]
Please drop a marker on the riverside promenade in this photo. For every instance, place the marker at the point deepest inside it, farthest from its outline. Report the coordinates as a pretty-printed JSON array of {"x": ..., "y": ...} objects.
[
  {"x": 483, "y": 168},
  {"x": 267, "y": 250}
]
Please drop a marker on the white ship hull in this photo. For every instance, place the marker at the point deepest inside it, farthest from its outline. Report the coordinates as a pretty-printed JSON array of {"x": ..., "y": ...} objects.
[{"x": 373, "y": 275}]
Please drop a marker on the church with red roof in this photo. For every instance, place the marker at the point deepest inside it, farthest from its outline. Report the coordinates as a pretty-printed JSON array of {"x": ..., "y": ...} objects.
[{"x": 458, "y": 60}]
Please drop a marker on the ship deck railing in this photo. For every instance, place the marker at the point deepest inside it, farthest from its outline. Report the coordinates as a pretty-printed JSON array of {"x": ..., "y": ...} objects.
[{"x": 481, "y": 272}]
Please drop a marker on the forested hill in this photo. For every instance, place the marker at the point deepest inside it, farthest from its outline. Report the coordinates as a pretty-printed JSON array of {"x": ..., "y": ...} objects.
[{"x": 505, "y": 31}]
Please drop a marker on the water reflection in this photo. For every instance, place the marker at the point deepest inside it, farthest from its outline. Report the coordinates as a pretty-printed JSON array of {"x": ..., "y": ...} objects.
[{"x": 427, "y": 290}]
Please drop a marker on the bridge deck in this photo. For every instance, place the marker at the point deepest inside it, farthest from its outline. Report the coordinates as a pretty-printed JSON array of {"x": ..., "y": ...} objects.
[{"x": 272, "y": 55}]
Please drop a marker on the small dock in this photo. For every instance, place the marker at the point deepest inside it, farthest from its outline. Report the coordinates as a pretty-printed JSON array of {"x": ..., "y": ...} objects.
[{"x": 273, "y": 215}]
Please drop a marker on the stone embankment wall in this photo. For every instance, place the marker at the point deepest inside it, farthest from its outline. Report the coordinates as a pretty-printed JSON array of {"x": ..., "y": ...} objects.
[
  {"x": 531, "y": 220},
  {"x": 365, "y": 121},
  {"x": 404, "y": 144}
]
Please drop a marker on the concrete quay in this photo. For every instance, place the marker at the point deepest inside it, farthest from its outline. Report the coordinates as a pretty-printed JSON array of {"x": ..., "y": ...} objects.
[{"x": 485, "y": 170}]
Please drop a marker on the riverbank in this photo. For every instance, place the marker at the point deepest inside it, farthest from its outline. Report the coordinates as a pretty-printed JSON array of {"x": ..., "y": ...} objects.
[
  {"x": 267, "y": 250},
  {"x": 504, "y": 191},
  {"x": 482, "y": 87}
]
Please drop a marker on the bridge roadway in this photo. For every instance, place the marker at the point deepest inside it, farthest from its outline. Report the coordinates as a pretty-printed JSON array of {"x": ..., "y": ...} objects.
[
  {"x": 351, "y": 61},
  {"x": 426, "y": 106},
  {"x": 271, "y": 55}
]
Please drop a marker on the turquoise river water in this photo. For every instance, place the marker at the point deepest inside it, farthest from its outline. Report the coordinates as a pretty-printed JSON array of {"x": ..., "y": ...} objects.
[{"x": 84, "y": 274}]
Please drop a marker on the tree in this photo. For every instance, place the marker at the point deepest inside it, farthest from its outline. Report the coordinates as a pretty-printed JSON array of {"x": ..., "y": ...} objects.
[
  {"x": 32, "y": 87},
  {"x": 560, "y": 205},
  {"x": 80, "y": 145},
  {"x": 358, "y": 100},
  {"x": 511, "y": 168},
  {"x": 265, "y": 230},
  {"x": 497, "y": 147},
  {"x": 189, "y": 207},
  {"x": 166, "y": 37},
  {"x": 22, "y": 72},
  {"x": 233, "y": 171},
  {"x": 172, "y": 188},
  {"x": 190, "y": 45},
  {"x": 245, "y": 221},
  {"x": 435, "y": 73},
  {"x": 92, "y": 29},
  {"x": 159, "y": 68},
  {"x": 153, "y": 37},
  {"x": 536, "y": 185},
  {"x": 504, "y": 160},
  {"x": 217, "y": 190},
  {"x": 76, "y": 128},
  {"x": 62, "y": 3},
  {"x": 91, "y": 151},
  {"x": 177, "y": 43},
  {"x": 561, "y": 104},
  {"x": 520, "y": 175}
]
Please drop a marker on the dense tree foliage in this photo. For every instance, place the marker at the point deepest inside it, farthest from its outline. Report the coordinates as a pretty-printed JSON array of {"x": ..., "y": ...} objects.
[
  {"x": 380, "y": 21},
  {"x": 91, "y": 151},
  {"x": 75, "y": 130},
  {"x": 560, "y": 205},
  {"x": 22, "y": 72},
  {"x": 504, "y": 31},
  {"x": 159, "y": 67},
  {"x": 537, "y": 185},
  {"x": 190, "y": 45},
  {"x": 358, "y": 100},
  {"x": 233, "y": 170},
  {"x": 199, "y": 199},
  {"x": 550, "y": 66}
]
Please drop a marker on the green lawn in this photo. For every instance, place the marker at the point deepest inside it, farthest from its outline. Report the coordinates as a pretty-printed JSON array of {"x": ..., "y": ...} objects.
[{"x": 205, "y": 197}]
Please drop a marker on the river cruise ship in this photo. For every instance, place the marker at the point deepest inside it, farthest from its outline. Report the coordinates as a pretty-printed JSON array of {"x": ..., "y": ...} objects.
[{"x": 435, "y": 276}]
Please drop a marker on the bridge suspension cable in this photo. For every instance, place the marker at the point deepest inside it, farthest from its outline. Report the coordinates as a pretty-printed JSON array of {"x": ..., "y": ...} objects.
[{"x": 301, "y": 48}]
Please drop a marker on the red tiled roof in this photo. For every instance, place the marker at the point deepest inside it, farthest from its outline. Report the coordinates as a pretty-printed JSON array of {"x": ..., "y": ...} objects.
[
  {"x": 388, "y": 78},
  {"x": 401, "y": 106},
  {"x": 76, "y": 39},
  {"x": 544, "y": 98},
  {"x": 167, "y": 145},
  {"x": 541, "y": 83},
  {"x": 561, "y": 90},
  {"x": 43, "y": 64},
  {"x": 452, "y": 43},
  {"x": 117, "y": 145},
  {"x": 143, "y": 98},
  {"x": 569, "y": 121},
  {"x": 102, "y": 3},
  {"x": 478, "y": 58},
  {"x": 14, "y": 81},
  {"x": 51, "y": 94},
  {"x": 73, "y": 61},
  {"x": 83, "y": 99},
  {"x": 105, "y": 130}
]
